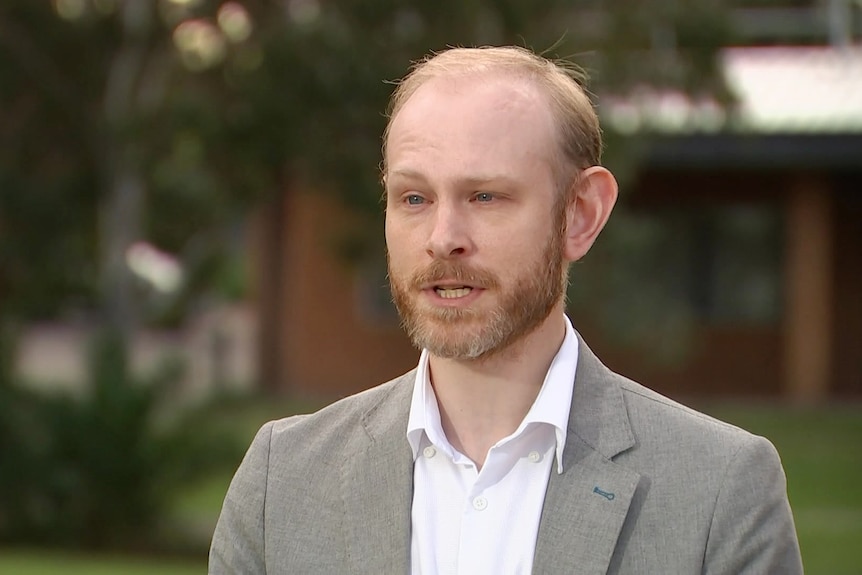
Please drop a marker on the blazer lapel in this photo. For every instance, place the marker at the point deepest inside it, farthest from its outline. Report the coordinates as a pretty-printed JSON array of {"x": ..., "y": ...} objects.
[
  {"x": 586, "y": 506},
  {"x": 377, "y": 486}
]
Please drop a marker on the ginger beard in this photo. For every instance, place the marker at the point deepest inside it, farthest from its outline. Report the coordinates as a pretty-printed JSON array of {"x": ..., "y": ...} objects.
[{"x": 524, "y": 302}]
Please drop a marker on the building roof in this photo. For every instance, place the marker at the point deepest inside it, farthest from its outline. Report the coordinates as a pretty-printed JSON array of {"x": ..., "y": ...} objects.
[
  {"x": 797, "y": 108},
  {"x": 786, "y": 90}
]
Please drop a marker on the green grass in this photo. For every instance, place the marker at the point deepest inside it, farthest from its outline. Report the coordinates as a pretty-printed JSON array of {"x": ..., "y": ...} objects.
[
  {"x": 42, "y": 563},
  {"x": 821, "y": 449}
]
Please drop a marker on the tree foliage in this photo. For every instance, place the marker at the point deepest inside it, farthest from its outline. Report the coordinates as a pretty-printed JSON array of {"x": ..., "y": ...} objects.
[{"x": 165, "y": 121}]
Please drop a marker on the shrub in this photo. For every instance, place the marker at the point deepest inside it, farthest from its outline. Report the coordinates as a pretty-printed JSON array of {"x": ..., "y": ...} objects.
[{"x": 99, "y": 469}]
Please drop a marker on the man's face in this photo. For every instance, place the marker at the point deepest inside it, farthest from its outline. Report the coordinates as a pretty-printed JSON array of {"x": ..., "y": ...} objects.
[{"x": 473, "y": 225}]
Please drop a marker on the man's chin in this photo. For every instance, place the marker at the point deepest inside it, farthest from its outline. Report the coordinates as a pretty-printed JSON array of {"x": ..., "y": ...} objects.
[
  {"x": 455, "y": 343},
  {"x": 456, "y": 352}
]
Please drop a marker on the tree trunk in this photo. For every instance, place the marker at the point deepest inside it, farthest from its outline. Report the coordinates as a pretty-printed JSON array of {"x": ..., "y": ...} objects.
[{"x": 121, "y": 210}]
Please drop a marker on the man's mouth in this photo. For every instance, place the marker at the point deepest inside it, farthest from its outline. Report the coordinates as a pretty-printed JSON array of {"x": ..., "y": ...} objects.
[{"x": 452, "y": 292}]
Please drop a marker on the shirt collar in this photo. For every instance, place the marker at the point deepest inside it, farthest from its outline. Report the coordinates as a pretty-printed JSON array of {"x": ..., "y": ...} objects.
[{"x": 552, "y": 405}]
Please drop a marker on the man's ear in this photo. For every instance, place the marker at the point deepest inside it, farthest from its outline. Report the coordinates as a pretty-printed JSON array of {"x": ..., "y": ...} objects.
[{"x": 587, "y": 214}]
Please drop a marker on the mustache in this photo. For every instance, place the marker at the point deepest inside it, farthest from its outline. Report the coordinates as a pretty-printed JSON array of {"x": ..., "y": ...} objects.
[{"x": 440, "y": 270}]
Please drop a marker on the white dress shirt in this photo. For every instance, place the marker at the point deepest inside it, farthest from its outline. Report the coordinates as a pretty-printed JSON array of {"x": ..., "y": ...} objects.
[{"x": 466, "y": 521}]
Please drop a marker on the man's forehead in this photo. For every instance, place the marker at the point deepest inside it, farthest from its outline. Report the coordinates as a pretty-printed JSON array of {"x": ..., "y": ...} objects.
[
  {"x": 502, "y": 89},
  {"x": 487, "y": 127},
  {"x": 481, "y": 106}
]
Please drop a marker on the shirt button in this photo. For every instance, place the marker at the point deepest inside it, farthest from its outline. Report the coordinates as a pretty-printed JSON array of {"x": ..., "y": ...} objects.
[
  {"x": 480, "y": 503},
  {"x": 535, "y": 456},
  {"x": 429, "y": 451}
]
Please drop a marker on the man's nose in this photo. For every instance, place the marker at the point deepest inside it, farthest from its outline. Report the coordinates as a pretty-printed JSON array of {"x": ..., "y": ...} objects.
[{"x": 449, "y": 236}]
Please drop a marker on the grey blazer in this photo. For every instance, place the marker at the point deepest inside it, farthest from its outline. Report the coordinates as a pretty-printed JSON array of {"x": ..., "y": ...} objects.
[{"x": 648, "y": 487}]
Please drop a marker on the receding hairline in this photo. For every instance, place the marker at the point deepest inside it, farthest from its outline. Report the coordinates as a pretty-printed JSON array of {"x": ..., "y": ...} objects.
[
  {"x": 458, "y": 61},
  {"x": 561, "y": 82}
]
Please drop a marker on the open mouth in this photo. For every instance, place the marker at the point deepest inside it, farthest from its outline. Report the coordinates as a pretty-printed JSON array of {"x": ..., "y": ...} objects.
[{"x": 452, "y": 292}]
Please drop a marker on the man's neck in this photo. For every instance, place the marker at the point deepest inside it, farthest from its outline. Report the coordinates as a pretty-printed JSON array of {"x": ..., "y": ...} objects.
[{"x": 483, "y": 401}]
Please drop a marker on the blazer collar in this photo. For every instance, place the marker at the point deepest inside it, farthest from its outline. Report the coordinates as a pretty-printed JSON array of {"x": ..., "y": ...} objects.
[
  {"x": 586, "y": 506},
  {"x": 598, "y": 415}
]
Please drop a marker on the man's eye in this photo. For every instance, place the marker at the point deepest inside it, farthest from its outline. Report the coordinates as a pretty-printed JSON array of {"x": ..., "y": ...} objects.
[
  {"x": 415, "y": 200},
  {"x": 484, "y": 197}
]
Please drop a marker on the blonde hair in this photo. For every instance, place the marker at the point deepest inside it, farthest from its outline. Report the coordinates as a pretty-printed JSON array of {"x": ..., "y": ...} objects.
[{"x": 578, "y": 132}]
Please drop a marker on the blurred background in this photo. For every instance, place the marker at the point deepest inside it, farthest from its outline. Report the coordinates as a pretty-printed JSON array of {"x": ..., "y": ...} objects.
[{"x": 191, "y": 241}]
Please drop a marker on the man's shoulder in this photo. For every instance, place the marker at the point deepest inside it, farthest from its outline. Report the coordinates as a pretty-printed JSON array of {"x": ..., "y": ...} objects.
[
  {"x": 662, "y": 424},
  {"x": 383, "y": 405},
  {"x": 644, "y": 402},
  {"x": 643, "y": 420},
  {"x": 649, "y": 419}
]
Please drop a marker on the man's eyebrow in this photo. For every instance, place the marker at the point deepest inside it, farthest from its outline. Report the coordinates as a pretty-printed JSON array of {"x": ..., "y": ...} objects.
[
  {"x": 479, "y": 181},
  {"x": 407, "y": 173}
]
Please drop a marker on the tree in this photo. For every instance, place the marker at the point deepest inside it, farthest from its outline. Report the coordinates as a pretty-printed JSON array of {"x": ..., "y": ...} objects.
[{"x": 165, "y": 121}]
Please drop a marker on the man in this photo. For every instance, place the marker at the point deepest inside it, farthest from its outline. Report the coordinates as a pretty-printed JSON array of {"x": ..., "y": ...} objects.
[{"x": 511, "y": 448}]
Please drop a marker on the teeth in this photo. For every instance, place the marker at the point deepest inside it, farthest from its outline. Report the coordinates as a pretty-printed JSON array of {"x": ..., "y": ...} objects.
[{"x": 452, "y": 293}]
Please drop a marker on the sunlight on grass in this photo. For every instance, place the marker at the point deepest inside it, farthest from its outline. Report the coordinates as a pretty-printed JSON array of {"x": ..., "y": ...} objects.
[
  {"x": 819, "y": 448},
  {"x": 42, "y": 563},
  {"x": 830, "y": 538}
]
